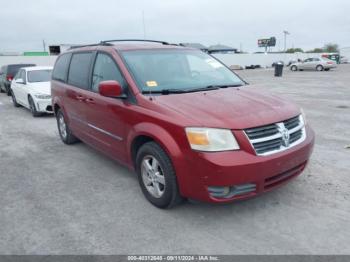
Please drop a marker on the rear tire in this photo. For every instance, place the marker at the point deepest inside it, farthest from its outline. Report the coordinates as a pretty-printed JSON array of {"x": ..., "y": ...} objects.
[
  {"x": 157, "y": 176},
  {"x": 33, "y": 110},
  {"x": 14, "y": 100},
  {"x": 319, "y": 68},
  {"x": 66, "y": 134},
  {"x": 294, "y": 68},
  {"x": 8, "y": 90}
]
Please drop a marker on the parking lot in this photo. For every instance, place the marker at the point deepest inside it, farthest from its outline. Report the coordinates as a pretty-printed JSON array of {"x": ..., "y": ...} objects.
[{"x": 58, "y": 199}]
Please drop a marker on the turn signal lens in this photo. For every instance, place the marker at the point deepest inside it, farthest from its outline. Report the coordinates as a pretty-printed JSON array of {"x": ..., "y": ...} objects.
[
  {"x": 211, "y": 139},
  {"x": 197, "y": 138}
]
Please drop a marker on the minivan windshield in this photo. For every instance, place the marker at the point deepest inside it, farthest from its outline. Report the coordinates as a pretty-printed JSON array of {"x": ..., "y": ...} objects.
[
  {"x": 39, "y": 75},
  {"x": 158, "y": 70}
]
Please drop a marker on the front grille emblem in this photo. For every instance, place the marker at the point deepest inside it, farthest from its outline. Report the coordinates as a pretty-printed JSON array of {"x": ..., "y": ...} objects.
[
  {"x": 285, "y": 136},
  {"x": 277, "y": 137}
]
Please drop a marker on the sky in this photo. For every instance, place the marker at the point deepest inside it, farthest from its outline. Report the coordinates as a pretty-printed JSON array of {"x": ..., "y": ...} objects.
[{"x": 24, "y": 24}]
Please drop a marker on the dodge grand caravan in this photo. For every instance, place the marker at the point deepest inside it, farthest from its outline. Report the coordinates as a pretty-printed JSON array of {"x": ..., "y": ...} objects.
[{"x": 188, "y": 126}]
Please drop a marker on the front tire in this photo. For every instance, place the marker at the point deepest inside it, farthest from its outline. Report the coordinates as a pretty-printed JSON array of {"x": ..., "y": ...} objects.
[
  {"x": 157, "y": 176},
  {"x": 32, "y": 107},
  {"x": 66, "y": 134},
  {"x": 14, "y": 100},
  {"x": 294, "y": 68},
  {"x": 319, "y": 68}
]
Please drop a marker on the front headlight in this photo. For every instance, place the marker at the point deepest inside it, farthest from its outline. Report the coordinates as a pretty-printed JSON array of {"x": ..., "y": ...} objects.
[
  {"x": 211, "y": 139},
  {"x": 42, "y": 96}
]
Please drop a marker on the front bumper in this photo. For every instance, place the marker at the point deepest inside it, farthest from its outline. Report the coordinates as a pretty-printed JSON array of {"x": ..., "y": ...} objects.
[
  {"x": 244, "y": 173},
  {"x": 330, "y": 66},
  {"x": 44, "y": 105}
]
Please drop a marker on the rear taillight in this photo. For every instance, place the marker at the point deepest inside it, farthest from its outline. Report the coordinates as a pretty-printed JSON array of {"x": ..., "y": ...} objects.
[
  {"x": 330, "y": 63},
  {"x": 9, "y": 77}
]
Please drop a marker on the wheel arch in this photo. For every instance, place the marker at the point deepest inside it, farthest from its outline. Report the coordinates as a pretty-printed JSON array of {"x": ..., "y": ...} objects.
[
  {"x": 146, "y": 132},
  {"x": 294, "y": 66}
]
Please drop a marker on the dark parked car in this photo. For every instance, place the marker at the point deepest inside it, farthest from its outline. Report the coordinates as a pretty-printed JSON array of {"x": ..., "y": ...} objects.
[
  {"x": 181, "y": 119},
  {"x": 7, "y": 73}
]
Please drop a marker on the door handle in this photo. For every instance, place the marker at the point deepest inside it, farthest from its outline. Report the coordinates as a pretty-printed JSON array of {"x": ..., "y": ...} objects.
[
  {"x": 89, "y": 101},
  {"x": 80, "y": 98}
]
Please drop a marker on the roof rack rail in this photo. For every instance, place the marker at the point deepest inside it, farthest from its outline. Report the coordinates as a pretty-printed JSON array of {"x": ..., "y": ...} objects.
[
  {"x": 133, "y": 40},
  {"x": 79, "y": 46}
]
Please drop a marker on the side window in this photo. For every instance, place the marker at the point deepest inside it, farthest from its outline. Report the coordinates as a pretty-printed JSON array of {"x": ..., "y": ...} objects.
[
  {"x": 23, "y": 76},
  {"x": 18, "y": 75},
  {"x": 105, "y": 69},
  {"x": 61, "y": 68},
  {"x": 79, "y": 70}
]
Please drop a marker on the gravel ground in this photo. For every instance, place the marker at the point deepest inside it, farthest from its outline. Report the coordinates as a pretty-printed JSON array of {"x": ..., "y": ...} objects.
[{"x": 58, "y": 199}]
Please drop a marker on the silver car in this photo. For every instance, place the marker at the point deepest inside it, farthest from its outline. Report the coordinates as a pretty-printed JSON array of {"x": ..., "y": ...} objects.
[{"x": 315, "y": 63}]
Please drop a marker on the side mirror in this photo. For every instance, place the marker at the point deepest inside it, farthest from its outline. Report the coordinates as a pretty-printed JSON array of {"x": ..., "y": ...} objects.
[
  {"x": 20, "y": 81},
  {"x": 111, "y": 88}
]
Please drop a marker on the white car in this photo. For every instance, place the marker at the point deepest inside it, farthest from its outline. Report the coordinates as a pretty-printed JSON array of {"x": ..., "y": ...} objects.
[
  {"x": 344, "y": 60},
  {"x": 318, "y": 64},
  {"x": 31, "y": 88}
]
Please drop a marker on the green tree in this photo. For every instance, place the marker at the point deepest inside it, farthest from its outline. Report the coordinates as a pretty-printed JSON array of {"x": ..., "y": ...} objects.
[
  {"x": 294, "y": 50},
  {"x": 331, "y": 48},
  {"x": 316, "y": 50}
]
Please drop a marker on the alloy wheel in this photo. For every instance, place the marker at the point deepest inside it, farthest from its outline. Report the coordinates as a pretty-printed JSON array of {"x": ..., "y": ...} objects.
[
  {"x": 62, "y": 126},
  {"x": 31, "y": 105},
  {"x": 153, "y": 176}
]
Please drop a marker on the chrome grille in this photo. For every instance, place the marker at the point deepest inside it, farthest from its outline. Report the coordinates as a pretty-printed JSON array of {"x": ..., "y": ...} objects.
[
  {"x": 291, "y": 123},
  {"x": 277, "y": 137}
]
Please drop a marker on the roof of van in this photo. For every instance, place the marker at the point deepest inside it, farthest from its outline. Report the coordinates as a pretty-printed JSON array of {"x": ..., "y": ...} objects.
[
  {"x": 131, "y": 45},
  {"x": 34, "y": 68},
  {"x": 137, "y": 46}
]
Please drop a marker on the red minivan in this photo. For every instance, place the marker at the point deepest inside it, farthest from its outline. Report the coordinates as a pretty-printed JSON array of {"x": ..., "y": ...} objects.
[{"x": 189, "y": 126}]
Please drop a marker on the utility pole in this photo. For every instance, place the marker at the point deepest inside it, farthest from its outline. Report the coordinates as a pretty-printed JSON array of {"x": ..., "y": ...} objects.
[
  {"x": 44, "y": 45},
  {"x": 285, "y": 39}
]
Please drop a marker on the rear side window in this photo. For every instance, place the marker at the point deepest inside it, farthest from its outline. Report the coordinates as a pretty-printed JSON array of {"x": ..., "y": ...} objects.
[
  {"x": 79, "y": 70},
  {"x": 105, "y": 69},
  {"x": 18, "y": 75},
  {"x": 61, "y": 68},
  {"x": 13, "y": 69}
]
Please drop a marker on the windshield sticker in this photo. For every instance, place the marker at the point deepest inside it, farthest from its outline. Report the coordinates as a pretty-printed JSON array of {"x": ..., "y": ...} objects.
[
  {"x": 151, "y": 83},
  {"x": 214, "y": 63}
]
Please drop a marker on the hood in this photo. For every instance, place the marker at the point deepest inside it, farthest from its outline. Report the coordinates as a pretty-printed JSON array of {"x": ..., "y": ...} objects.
[
  {"x": 40, "y": 87},
  {"x": 230, "y": 108}
]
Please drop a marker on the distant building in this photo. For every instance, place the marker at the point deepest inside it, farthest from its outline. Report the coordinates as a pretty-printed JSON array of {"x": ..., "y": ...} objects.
[
  {"x": 61, "y": 48},
  {"x": 195, "y": 45},
  {"x": 10, "y": 53},
  {"x": 221, "y": 49}
]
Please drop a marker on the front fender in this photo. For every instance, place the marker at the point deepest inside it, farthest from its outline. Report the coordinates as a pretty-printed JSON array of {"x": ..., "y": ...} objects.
[
  {"x": 158, "y": 134},
  {"x": 166, "y": 141}
]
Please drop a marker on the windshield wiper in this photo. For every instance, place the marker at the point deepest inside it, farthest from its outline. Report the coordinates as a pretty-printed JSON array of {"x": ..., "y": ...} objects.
[
  {"x": 180, "y": 91},
  {"x": 164, "y": 91},
  {"x": 225, "y": 86}
]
